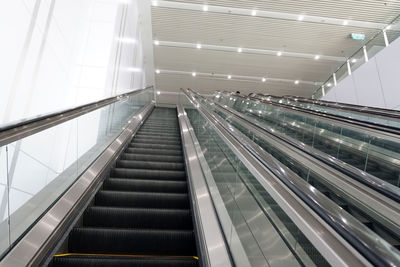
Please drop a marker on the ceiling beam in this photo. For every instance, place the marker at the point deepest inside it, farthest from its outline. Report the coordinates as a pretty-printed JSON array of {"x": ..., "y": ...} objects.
[
  {"x": 269, "y": 14},
  {"x": 246, "y": 50},
  {"x": 235, "y": 77}
]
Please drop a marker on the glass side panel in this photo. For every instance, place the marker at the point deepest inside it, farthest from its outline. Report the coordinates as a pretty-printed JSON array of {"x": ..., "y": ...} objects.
[
  {"x": 323, "y": 184},
  {"x": 40, "y": 168},
  {"x": 36, "y": 170},
  {"x": 336, "y": 109},
  {"x": 367, "y": 152},
  {"x": 4, "y": 229},
  {"x": 258, "y": 231}
]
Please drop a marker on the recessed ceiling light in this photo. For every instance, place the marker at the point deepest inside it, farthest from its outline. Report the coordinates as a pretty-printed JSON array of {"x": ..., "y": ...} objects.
[
  {"x": 198, "y": 46},
  {"x": 388, "y": 27},
  {"x": 229, "y": 77},
  {"x": 158, "y": 93},
  {"x": 329, "y": 85},
  {"x": 205, "y": 8},
  {"x": 156, "y": 42},
  {"x": 345, "y": 22},
  {"x": 317, "y": 57},
  {"x": 240, "y": 50},
  {"x": 158, "y": 71},
  {"x": 154, "y": 3},
  {"x": 263, "y": 80},
  {"x": 296, "y": 82},
  {"x": 254, "y": 12},
  {"x": 279, "y": 53},
  {"x": 194, "y": 74},
  {"x": 300, "y": 18},
  {"x": 353, "y": 60}
]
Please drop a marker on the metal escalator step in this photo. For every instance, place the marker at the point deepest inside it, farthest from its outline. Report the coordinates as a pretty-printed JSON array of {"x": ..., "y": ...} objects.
[
  {"x": 133, "y": 164},
  {"x": 154, "y": 146},
  {"x": 152, "y": 157},
  {"x": 137, "y": 218},
  {"x": 150, "y": 151},
  {"x": 158, "y": 133},
  {"x": 155, "y": 137},
  {"x": 142, "y": 200},
  {"x": 158, "y": 142},
  {"x": 137, "y": 185},
  {"x": 107, "y": 261},
  {"x": 148, "y": 174},
  {"x": 131, "y": 241},
  {"x": 174, "y": 129}
]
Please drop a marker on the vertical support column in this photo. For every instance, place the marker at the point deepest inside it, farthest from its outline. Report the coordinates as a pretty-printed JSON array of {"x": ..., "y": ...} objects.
[
  {"x": 323, "y": 90},
  {"x": 385, "y": 38},
  {"x": 348, "y": 67},
  {"x": 334, "y": 79},
  {"x": 365, "y": 53}
]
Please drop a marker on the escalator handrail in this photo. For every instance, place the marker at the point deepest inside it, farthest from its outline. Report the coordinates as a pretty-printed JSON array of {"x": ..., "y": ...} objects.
[
  {"x": 369, "y": 180},
  {"x": 17, "y": 130},
  {"x": 345, "y": 225},
  {"x": 385, "y": 132},
  {"x": 381, "y": 112},
  {"x": 371, "y": 124}
]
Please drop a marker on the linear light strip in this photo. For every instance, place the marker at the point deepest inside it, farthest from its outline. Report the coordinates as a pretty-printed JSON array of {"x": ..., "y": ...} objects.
[
  {"x": 269, "y": 14},
  {"x": 235, "y": 77},
  {"x": 249, "y": 50}
]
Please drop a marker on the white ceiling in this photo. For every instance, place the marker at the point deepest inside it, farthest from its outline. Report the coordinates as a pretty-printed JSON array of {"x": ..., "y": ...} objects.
[{"x": 187, "y": 23}]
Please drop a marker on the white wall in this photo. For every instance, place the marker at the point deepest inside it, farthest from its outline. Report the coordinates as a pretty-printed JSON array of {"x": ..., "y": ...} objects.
[
  {"x": 60, "y": 53},
  {"x": 57, "y": 54},
  {"x": 376, "y": 83}
]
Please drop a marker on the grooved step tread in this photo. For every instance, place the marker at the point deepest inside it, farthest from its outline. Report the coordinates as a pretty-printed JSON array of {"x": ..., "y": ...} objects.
[
  {"x": 132, "y": 241},
  {"x": 142, "y": 199},
  {"x": 137, "y": 185},
  {"x": 114, "y": 217},
  {"x": 92, "y": 260}
]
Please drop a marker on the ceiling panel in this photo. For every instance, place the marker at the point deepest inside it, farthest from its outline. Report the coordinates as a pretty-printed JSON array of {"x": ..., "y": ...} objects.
[
  {"x": 254, "y": 32},
  {"x": 171, "y": 58},
  {"x": 172, "y": 83},
  {"x": 378, "y": 11},
  {"x": 189, "y": 26}
]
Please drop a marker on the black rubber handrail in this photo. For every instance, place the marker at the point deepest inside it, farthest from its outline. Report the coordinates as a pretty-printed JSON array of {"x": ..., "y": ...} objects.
[
  {"x": 350, "y": 121},
  {"x": 347, "y": 232}
]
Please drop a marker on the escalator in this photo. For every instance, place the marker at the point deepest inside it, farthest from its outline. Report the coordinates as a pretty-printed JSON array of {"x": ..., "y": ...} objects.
[
  {"x": 375, "y": 116},
  {"x": 371, "y": 151},
  {"x": 141, "y": 216},
  {"x": 347, "y": 203}
]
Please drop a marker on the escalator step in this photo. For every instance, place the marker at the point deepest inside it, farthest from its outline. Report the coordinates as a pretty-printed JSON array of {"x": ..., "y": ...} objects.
[
  {"x": 138, "y": 185},
  {"x": 137, "y": 218},
  {"x": 142, "y": 200},
  {"x": 148, "y": 174},
  {"x": 154, "y": 146},
  {"x": 154, "y": 151},
  {"x": 152, "y": 157},
  {"x": 159, "y": 133},
  {"x": 103, "y": 261},
  {"x": 156, "y": 141},
  {"x": 156, "y": 137},
  {"x": 150, "y": 165},
  {"x": 131, "y": 241}
]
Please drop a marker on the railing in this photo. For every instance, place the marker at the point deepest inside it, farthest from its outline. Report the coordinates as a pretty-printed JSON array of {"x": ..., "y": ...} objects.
[
  {"x": 41, "y": 158},
  {"x": 377, "y": 43},
  {"x": 366, "y": 242}
]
